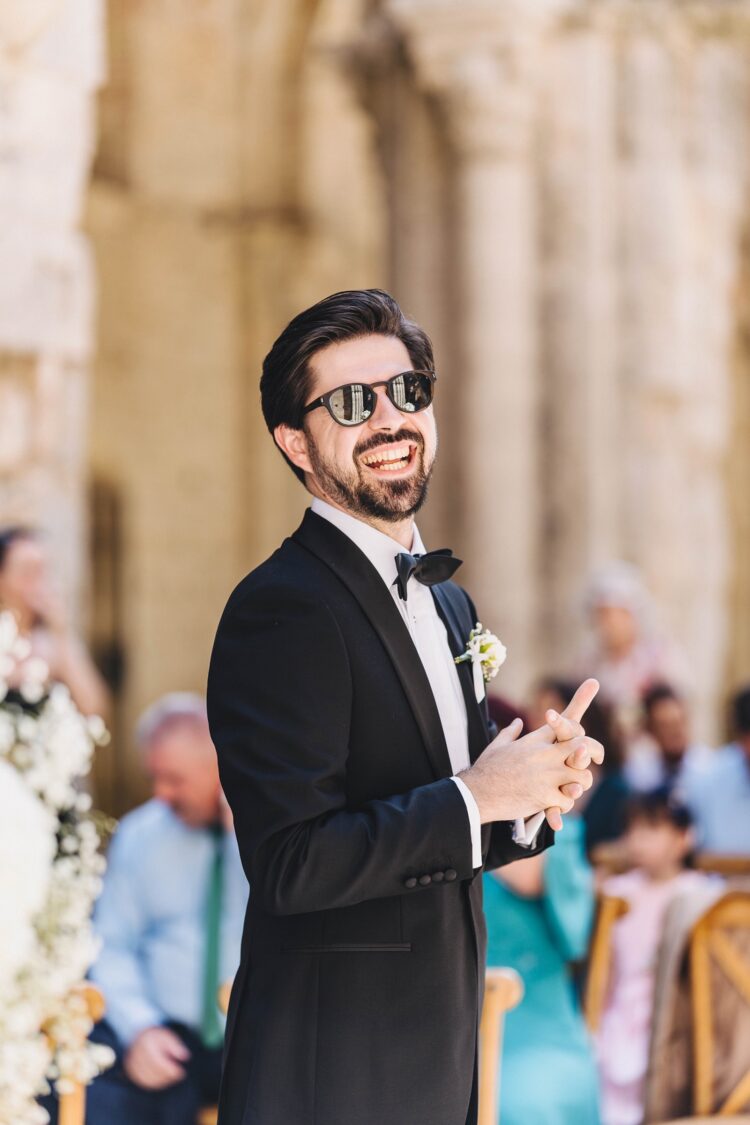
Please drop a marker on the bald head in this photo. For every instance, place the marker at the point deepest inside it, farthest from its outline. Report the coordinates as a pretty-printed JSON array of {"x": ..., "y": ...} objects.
[{"x": 180, "y": 759}]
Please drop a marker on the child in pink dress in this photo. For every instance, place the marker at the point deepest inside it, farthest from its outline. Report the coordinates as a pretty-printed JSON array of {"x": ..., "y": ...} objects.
[{"x": 659, "y": 840}]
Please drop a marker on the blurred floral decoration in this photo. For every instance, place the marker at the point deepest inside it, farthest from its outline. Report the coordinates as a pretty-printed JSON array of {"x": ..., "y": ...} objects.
[{"x": 50, "y": 875}]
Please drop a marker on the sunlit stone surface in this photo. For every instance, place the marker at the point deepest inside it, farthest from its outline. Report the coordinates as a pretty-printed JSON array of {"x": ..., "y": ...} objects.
[{"x": 557, "y": 190}]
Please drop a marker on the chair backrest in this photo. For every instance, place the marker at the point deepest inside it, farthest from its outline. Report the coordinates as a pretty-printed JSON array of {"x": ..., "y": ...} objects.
[
  {"x": 225, "y": 991},
  {"x": 72, "y": 1102},
  {"x": 610, "y": 858},
  {"x": 609, "y": 909},
  {"x": 503, "y": 991},
  {"x": 719, "y": 954},
  {"x": 728, "y": 865}
]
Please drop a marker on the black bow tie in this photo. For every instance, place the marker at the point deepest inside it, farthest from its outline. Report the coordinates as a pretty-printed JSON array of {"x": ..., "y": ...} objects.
[{"x": 429, "y": 569}]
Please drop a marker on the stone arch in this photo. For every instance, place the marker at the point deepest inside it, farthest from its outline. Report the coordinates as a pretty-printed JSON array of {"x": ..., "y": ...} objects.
[{"x": 210, "y": 233}]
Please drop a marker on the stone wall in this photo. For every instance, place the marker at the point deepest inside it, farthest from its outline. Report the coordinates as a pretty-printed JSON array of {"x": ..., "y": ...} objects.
[
  {"x": 51, "y": 64},
  {"x": 235, "y": 183},
  {"x": 556, "y": 190},
  {"x": 597, "y": 172}
]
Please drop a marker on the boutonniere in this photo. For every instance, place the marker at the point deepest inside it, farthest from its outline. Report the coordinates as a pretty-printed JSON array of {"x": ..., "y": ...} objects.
[{"x": 486, "y": 653}]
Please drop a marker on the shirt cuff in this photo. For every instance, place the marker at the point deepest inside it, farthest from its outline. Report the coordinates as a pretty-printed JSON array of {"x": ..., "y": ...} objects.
[
  {"x": 526, "y": 831},
  {"x": 475, "y": 822}
]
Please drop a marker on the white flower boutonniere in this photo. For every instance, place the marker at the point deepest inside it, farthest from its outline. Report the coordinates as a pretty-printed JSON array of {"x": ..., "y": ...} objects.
[{"x": 486, "y": 653}]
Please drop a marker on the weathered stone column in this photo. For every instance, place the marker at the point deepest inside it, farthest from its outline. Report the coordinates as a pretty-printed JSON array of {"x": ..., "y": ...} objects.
[
  {"x": 580, "y": 392},
  {"x": 479, "y": 61},
  {"x": 683, "y": 195},
  {"x": 415, "y": 157},
  {"x": 51, "y": 64}
]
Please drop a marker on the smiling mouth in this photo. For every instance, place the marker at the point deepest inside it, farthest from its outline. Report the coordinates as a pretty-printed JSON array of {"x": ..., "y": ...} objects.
[{"x": 391, "y": 459}]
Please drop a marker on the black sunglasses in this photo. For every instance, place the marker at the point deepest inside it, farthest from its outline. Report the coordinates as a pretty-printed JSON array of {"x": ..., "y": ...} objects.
[{"x": 352, "y": 404}]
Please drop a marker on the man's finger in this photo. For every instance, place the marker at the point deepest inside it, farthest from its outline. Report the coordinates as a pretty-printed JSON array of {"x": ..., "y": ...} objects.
[
  {"x": 170, "y": 1072},
  {"x": 572, "y": 789},
  {"x": 511, "y": 732},
  {"x": 587, "y": 750},
  {"x": 582, "y": 777},
  {"x": 178, "y": 1051},
  {"x": 580, "y": 702},
  {"x": 580, "y": 759},
  {"x": 562, "y": 729},
  {"x": 554, "y": 818}
]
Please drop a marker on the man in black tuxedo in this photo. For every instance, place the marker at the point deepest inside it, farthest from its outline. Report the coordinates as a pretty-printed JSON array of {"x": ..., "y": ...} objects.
[{"x": 342, "y": 724}]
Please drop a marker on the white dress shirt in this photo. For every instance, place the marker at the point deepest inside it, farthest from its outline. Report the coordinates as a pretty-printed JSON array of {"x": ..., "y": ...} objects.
[{"x": 430, "y": 639}]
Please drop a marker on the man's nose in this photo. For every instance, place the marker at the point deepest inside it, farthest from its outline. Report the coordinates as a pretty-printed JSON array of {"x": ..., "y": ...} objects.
[{"x": 385, "y": 416}]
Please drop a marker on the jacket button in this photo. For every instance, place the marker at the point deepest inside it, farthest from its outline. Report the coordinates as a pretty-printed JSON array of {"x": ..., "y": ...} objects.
[
  {"x": 450, "y": 875},
  {"x": 425, "y": 880},
  {"x": 438, "y": 876},
  {"x": 410, "y": 882}
]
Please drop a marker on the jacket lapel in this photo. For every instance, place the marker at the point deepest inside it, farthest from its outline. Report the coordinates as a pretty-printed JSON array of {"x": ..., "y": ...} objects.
[
  {"x": 458, "y": 634},
  {"x": 354, "y": 569}
]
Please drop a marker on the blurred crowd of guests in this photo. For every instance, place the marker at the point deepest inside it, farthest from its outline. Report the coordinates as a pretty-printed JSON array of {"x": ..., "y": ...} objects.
[
  {"x": 171, "y": 913},
  {"x": 659, "y": 800}
]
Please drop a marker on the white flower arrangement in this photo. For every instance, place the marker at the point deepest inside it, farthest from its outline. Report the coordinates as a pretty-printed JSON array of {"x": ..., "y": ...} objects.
[
  {"x": 486, "y": 653},
  {"x": 50, "y": 875}
]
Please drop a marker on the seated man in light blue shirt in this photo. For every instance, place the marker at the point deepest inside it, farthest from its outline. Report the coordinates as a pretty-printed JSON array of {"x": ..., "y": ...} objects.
[
  {"x": 720, "y": 798},
  {"x": 170, "y": 922}
]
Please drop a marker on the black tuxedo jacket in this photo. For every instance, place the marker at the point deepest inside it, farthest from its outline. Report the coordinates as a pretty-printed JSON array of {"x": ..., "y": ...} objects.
[{"x": 360, "y": 985}]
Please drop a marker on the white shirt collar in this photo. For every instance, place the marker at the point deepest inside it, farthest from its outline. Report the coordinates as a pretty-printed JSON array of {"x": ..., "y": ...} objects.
[{"x": 380, "y": 549}]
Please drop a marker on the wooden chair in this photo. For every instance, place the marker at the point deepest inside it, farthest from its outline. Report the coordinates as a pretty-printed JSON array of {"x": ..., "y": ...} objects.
[
  {"x": 743, "y": 1119},
  {"x": 503, "y": 991},
  {"x": 72, "y": 1102},
  {"x": 610, "y": 858},
  {"x": 609, "y": 909},
  {"x": 730, "y": 866},
  {"x": 714, "y": 941}
]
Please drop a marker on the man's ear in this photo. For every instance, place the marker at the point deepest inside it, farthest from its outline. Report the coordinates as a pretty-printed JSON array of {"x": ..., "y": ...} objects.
[{"x": 294, "y": 444}]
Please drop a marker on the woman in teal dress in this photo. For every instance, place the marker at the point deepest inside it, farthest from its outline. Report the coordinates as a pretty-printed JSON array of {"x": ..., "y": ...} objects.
[{"x": 539, "y": 914}]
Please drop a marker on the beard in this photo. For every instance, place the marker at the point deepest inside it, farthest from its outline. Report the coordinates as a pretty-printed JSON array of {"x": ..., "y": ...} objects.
[{"x": 387, "y": 500}]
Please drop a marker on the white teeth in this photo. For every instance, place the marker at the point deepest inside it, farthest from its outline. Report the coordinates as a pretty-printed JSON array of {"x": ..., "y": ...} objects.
[{"x": 399, "y": 454}]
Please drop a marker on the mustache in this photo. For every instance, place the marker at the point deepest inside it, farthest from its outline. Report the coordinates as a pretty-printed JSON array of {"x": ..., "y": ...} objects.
[{"x": 389, "y": 439}]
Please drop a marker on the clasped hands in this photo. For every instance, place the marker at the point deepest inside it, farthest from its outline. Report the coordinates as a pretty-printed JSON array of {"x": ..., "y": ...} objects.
[{"x": 545, "y": 769}]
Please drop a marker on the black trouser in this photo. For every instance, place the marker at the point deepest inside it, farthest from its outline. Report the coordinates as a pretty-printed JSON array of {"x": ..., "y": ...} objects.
[
  {"x": 471, "y": 1117},
  {"x": 112, "y": 1099}
]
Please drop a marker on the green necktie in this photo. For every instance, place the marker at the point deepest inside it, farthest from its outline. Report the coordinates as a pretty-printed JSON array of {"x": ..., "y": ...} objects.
[{"x": 212, "y": 1030}]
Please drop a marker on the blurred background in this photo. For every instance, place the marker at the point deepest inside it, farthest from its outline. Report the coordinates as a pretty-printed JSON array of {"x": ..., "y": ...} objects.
[{"x": 558, "y": 190}]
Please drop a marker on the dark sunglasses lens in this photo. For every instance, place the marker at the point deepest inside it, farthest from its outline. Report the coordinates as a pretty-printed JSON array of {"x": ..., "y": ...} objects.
[
  {"x": 411, "y": 391},
  {"x": 352, "y": 405}
]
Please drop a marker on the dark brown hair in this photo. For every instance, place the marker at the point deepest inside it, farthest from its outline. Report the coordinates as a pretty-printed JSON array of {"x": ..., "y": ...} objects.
[
  {"x": 11, "y": 535},
  {"x": 656, "y": 694},
  {"x": 285, "y": 382},
  {"x": 658, "y": 806}
]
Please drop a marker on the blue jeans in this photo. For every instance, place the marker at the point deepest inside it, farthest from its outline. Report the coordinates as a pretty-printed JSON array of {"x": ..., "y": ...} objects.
[{"x": 112, "y": 1099}]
